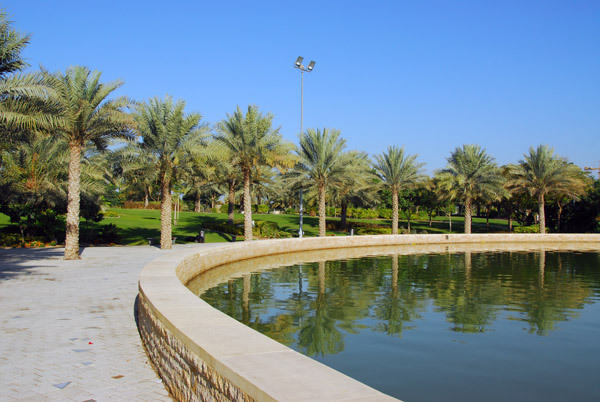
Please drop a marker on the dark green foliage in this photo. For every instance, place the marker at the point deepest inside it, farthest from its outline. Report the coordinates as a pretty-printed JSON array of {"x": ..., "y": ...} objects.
[
  {"x": 109, "y": 234},
  {"x": 269, "y": 230},
  {"x": 260, "y": 209},
  {"x": 579, "y": 216}
]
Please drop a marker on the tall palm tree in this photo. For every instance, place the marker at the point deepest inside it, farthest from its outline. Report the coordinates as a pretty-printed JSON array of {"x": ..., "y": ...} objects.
[
  {"x": 542, "y": 173},
  {"x": 471, "y": 173},
  {"x": 87, "y": 116},
  {"x": 174, "y": 138},
  {"x": 399, "y": 171},
  {"x": 252, "y": 142},
  {"x": 324, "y": 163}
]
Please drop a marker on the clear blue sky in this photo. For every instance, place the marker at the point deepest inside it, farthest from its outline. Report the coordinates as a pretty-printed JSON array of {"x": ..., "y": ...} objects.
[{"x": 429, "y": 75}]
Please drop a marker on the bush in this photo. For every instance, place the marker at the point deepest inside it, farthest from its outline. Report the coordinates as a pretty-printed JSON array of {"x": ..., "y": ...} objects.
[
  {"x": 290, "y": 211},
  {"x": 269, "y": 230},
  {"x": 109, "y": 234},
  {"x": 372, "y": 231},
  {"x": 9, "y": 239},
  {"x": 362, "y": 213},
  {"x": 260, "y": 209},
  {"x": 384, "y": 213},
  {"x": 111, "y": 214},
  {"x": 529, "y": 229}
]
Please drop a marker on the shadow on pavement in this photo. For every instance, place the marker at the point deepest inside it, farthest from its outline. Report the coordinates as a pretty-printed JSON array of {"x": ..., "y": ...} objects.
[{"x": 17, "y": 261}]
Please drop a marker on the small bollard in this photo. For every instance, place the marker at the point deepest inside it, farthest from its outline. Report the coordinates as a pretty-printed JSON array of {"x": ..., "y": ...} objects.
[
  {"x": 201, "y": 237},
  {"x": 351, "y": 232},
  {"x": 233, "y": 237}
]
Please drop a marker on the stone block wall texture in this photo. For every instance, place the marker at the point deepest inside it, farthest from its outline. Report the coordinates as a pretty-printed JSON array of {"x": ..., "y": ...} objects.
[
  {"x": 186, "y": 376},
  {"x": 169, "y": 340}
]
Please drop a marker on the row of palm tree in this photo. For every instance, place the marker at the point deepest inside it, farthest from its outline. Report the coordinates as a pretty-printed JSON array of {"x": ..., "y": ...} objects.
[{"x": 168, "y": 147}]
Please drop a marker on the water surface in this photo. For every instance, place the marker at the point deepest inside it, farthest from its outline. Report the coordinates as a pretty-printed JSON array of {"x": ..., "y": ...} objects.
[{"x": 491, "y": 326}]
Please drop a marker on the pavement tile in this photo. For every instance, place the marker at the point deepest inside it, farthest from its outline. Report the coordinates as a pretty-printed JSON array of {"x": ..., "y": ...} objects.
[{"x": 52, "y": 309}]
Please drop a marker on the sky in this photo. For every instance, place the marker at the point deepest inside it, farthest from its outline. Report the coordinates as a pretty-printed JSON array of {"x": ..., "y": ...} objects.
[{"x": 427, "y": 75}]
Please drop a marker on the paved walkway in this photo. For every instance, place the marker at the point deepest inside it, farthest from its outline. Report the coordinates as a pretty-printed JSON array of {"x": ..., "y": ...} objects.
[{"x": 67, "y": 328}]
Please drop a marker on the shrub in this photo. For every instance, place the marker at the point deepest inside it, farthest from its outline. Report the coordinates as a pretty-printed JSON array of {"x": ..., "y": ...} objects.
[
  {"x": 384, "y": 213},
  {"x": 290, "y": 211},
  {"x": 260, "y": 209},
  {"x": 111, "y": 214},
  {"x": 9, "y": 239},
  {"x": 270, "y": 230},
  {"x": 529, "y": 229},
  {"x": 372, "y": 231},
  {"x": 109, "y": 233}
]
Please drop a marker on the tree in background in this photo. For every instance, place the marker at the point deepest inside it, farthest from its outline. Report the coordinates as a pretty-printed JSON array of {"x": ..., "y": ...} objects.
[
  {"x": 541, "y": 173},
  {"x": 471, "y": 173},
  {"x": 398, "y": 171},
  {"x": 86, "y": 115},
  {"x": 354, "y": 187},
  {"x": 252, "y": 142},
  {"x": 323, "y": 163},
  {"x": 174, "y": 138}
]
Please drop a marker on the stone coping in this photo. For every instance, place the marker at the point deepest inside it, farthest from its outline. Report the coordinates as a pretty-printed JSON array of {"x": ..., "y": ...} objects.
[{"x": 260, "y": 367}]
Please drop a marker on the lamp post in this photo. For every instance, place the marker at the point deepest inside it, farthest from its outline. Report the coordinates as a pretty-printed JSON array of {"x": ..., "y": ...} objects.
[{"x": 298, "y": 64}]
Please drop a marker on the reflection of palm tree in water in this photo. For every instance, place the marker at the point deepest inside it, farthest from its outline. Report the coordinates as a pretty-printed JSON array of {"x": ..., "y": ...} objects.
[
  {"x": 542, "y": 267},
  {"x": 399, "y": 306},
  {"x": 246, "y": 299},
  {"x": 319, "y": 335}
]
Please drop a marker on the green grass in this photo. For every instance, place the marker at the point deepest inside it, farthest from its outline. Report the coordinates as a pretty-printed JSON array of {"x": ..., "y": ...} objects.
[{"x": 135, "y": 226}]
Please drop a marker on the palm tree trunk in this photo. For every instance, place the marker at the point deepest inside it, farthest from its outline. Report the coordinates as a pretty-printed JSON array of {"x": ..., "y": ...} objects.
[
  {"x": 231, "y": 199},
  {"x": 394, "y": 211},
  {"x": 468, "y": 212},
  {"x": 560, "y": 209},
  {"x": 322, "y": 218},
  {"x": 344, "y": 214},
  {"x": 197, "y": 203},
  {"x": 146, "y": 197},
  {"x": 247, "y": 207},
  {"x": 72, "y": 238},
  {"x": 542, "y": 213},
  {"x": 165, "y": 214}
]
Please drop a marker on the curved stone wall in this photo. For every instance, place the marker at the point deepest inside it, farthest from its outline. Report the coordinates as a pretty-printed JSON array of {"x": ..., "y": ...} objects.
[{"x": 203, "y": 354}]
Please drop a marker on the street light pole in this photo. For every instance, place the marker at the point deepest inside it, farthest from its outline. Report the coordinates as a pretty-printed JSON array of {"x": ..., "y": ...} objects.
[{"x": 298, "y": 64}]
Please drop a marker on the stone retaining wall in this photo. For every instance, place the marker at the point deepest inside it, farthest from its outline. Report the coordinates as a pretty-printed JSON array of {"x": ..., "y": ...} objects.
[{"x": 203, "y": 354}]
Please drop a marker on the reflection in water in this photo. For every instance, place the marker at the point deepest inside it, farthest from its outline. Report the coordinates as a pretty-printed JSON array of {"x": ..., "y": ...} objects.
[{"x": 317, "y": 308}]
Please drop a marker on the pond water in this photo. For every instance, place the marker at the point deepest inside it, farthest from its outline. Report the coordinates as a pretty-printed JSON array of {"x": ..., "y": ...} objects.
[{"x": 491, "y": 326}]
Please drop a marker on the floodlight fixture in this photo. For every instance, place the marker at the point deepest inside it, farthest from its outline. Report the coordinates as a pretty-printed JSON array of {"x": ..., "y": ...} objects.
[
  {"x": 311, "y": 65},
  {"x": 298, "y": 63}
]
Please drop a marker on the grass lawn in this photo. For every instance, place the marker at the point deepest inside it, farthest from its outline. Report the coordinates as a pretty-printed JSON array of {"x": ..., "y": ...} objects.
[{"x": 135, "y": 226}]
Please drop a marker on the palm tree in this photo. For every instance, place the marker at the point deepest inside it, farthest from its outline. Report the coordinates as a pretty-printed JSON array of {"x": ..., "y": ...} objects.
[
  {"x": 252, "y": 143},
  {"x": 324, "y": 163},
  {"x": 86, "y": 116},
  {"x": 542, "y": 173},
  {"x": 399, "y": 172},
  {"x": 136, "y": 166},
  {"x": 24, "y": 103},
  {"x": 471, "y": 173},
  {"x": 175, "y": 139},
  {"x": 355, "y": 188}
]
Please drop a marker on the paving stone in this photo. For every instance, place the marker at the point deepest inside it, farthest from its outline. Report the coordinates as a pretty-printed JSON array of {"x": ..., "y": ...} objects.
[{"x": 52, "y": 309}]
